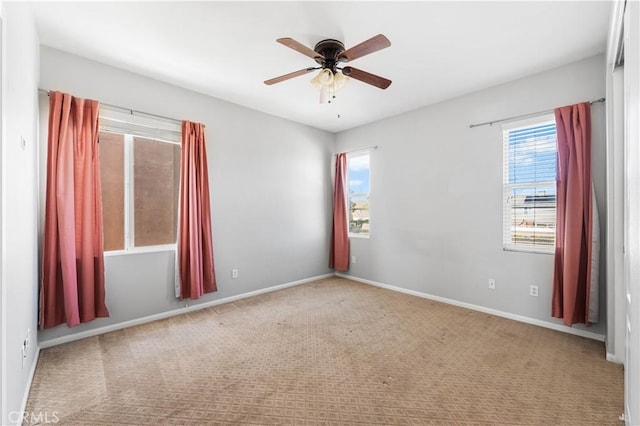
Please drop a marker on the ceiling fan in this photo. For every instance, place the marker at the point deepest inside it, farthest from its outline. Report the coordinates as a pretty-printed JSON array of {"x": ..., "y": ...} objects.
[{"x": 329, "y": 54}]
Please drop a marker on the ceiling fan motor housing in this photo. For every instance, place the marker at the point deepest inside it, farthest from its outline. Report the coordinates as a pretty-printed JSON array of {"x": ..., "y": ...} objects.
[
  {"x": 329, "y": 53},
  {"x": 330, "y": 49}
]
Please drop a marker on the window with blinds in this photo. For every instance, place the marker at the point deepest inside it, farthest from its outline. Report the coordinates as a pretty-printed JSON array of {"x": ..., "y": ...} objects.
[{"x": 529, "y": 176}]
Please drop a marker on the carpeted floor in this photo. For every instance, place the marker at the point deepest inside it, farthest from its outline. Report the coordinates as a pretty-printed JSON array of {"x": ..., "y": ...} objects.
[{"x": 329, "y": 352}]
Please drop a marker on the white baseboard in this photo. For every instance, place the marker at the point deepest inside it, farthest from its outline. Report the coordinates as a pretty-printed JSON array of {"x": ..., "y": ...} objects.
[
  {"x": 521, "y": 318},
  {"x": 162, "y": 315},
  {"x": 27, "y": 389},
  {"x": 612, "y": 358}
]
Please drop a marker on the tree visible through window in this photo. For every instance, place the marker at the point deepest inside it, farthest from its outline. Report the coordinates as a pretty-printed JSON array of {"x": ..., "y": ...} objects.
[
  {"x": 358, "y": 194},
  {"x": 530, "y": 158}
]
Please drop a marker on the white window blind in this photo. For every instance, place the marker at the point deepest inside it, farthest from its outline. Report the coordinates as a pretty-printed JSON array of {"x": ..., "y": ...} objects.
[
  {"x": 529, "y": 177},
  {"x": 120, "y": 120}
]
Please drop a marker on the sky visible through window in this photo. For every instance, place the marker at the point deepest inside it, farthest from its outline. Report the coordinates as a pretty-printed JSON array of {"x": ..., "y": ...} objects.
[
  {"x": 532, "y": 157},
  {"x": 359, "y": 176}
]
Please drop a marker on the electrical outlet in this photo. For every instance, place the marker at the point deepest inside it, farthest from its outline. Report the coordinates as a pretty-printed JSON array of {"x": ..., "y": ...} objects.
[
  {"x": 234, "y": 274},
  {"x": 492, "y": 284},
  {"x": 23, "y": 352},
  {"x": 353, "y": 259},
  {"x": 533, "y": 290}
]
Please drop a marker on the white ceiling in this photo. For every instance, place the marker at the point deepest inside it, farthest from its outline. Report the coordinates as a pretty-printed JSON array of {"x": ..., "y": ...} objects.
[{"x": 439, "y": 50}]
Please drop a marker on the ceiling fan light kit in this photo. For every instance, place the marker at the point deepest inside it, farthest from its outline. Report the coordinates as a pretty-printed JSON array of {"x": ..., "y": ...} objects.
[
  {"x": 329, "y": 83},
  {"x": 329, "y": 54}
]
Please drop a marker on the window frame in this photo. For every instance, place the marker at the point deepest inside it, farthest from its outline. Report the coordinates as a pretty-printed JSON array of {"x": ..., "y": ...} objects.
[
  {"x": 129, "y": 198},
  {"x": 351, "y": 154},
  {"x": 508, "y": 243},
  {"x": 129, "y": 203}
]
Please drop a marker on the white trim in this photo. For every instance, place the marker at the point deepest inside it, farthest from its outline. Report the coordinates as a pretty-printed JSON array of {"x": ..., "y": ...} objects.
[
  {"x": 3, "y": 215},
  {"x": 528, "y": 249},
  {"x": 615, "y": 31},
  {"x": 614, "y": 253},
  {"x": 178, "y": 311},
  {"x": 363, "y": 237},
  {"x": 142, "y": 249},
  {"x": 521, "y": 318},
  {"x": 32, "y": 373},
  {"x": 162, "y": 315},
  {"x": 612, "y": 358}
]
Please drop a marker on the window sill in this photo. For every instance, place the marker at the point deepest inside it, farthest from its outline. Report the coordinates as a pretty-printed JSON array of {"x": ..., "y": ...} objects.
[
  {"x": 529, "y": 250},
  {"x": 364, "y": 237},
  {"x": 141, "y": 250}
]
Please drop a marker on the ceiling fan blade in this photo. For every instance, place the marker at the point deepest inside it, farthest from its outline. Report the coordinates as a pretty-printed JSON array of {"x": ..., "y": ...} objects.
[
  {"x": 365, "y": 77},
  {"x": 374, "y": 44},
  {"x": 288, "y": 76},
  {"x": 299, "y": 47}
]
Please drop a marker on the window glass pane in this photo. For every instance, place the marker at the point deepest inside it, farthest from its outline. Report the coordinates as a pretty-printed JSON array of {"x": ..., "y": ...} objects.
[
  {"x": 156, "y": 175},
  {"x": 533, "y": 216},
  {"x": 530, "y": 186},
  {"x": 532, "y": 154},
  {"x": 358, "y": 177},
  {"x": 111, "y": 147}
]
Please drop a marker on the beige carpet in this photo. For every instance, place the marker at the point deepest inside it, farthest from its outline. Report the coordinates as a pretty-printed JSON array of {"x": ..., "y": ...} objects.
[{"x": 330, "y": 352}]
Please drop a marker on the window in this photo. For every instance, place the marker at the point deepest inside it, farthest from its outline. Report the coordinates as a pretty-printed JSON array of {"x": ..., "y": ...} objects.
[
  {"x": 140, "y": 175},
  {"x": 112, "y": 177},
  {"x": 529, "y": 176},
  {"x": 358, "y": 193}
]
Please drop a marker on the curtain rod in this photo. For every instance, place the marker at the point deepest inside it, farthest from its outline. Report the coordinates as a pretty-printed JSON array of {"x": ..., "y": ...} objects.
[
  {"x": 131, "y": 111},
  {"x": 491, "y": 123},
  {"x": 359, "y": 149}
]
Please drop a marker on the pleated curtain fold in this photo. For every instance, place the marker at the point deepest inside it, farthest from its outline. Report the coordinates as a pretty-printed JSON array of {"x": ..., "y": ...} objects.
[
  {"x": 72, "y": 288},
  {"x": 574, "y": 224},
  {"x": 195, "y": 266},
  {"x": 339, "y": 255}
]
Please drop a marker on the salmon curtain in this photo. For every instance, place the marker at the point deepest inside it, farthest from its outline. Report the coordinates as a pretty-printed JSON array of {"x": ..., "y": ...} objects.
[
  {"x": 339, "y": 256},
  {"x": 195, "y": 241},
  {"x": 72, "y": 289},
  {"x": 574, "y": 224}
]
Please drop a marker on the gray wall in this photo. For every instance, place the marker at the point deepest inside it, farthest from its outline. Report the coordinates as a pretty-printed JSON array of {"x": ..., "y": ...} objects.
[
  {"x": 19, "y": 207},
  {"x": 270, "y": 191},
  {"x": 436, "y": 195}
]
